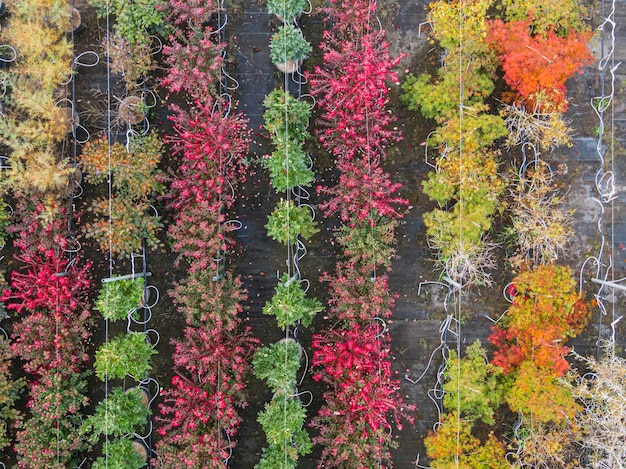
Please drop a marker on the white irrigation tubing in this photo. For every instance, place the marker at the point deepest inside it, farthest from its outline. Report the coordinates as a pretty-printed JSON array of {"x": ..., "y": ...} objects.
[
  {"x": 4, "y": 59},
  {"x": 78, "y": 60},
  {"x": 307, "y": 96},
  {"x": 157, "y": 336},
  {"x": 301, "y": 192},
  {"x": 299, "y": 394},
  {"x": 158, "y": 44},
  {"x": 237, "y": 225},
  {"x": 425, "y": 144},
  {"x": 306, "y": 365},
  {"x": 130, "y": 319}
]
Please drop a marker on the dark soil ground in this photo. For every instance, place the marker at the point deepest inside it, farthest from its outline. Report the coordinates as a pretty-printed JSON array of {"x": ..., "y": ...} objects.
[{"x": 418, "y": 314}]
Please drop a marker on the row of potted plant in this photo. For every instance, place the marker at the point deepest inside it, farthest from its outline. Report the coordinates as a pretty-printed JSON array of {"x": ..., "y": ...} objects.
[
  {"x": 49, "y": 291},
  {"x": 528, "y": 374},
  {"x": 286, "y": 119},
  {"x": 466, "y": 184},
  {"x": 49, "y": 296},
  {"x": 537, "y": 58},
  {"x": 124, "y": 224},
  {"x": 37, "y": 114},
  {"x": 131, "y": 44},
  {"x": 362, "y": 405},
  {"x": 120, "y": 223},
  {"x": 10, "y": 387},
  {"x": 199, "y": 416},
  {"x": 123, "y": 412}
]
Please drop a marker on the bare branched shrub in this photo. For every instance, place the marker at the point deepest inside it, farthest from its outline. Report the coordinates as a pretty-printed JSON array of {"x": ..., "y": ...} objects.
[
  {"x": 543, "y": 128},
  {"x": 541, "y": 227},
  {"x": 603, "y": 393},
  {"x": 546, "y": 446},
  {"x": 470, "y": 264}
]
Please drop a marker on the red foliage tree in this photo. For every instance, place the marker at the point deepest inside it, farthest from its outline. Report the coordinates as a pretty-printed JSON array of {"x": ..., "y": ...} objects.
[
  {"x": 541, "y": 63},
  {"x": 355, "y": 422},
  {"x": 54, "y": 292},
  {"x": 352, "y": 91},
  {"x": 199, "y": 412},
  {"x": 213, "y": 148},
  {"x": 355, "y": 296},
  {"x": 364, "y": 192},
  {"x": 194, "y": 61},
  {"x": 49, "y": 293}
]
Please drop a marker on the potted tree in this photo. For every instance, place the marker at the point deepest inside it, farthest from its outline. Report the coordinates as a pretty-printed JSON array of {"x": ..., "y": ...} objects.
[
  {"x": 132, "y": 110},
  {"x": 132, "y": 60},
  {"x": 289, "y": 166},
  {"x": 284, "y": 113},
  {"x": 289, "y": 304},
  {"x": 120, "y": 298},
  {"x": 278, "y": 365},
  {"x": 288, "y": 48},
  {"x": 283, "y": 422},
  {"x": 287, "y": 10},
  {"x": 119, "y": 415},
  {"x": 120, "y": 454},
  {"x": 73, "y": 23},
  {"x": 127, "y": 354},
  {"x": 288, "y": 222}
]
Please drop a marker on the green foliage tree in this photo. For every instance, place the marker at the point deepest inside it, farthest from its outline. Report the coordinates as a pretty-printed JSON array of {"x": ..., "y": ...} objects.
[
  {"x": 369, "y": 242},
  {"x": 289, "y": 304},
  {"x": 466, "y": 183},
  {"x": 285, "y": 115},
  {"x": 278, "y": 365},
  {"x": 127, "y": 354},
  {"x": 287, "y": 10},
  {"x": 288, "y": 43},
  {"x": 289, "y": 166},
  {"x": 473, "y": 383},
  {"x": 119, "y": 454},
  {"x": 117, "y": 299},
  {"x": 120, "y": 414},
  {"x": 135, "y": 20},
  {"x": 288, "y": 222},
  {"x": 283, "y": 424}
]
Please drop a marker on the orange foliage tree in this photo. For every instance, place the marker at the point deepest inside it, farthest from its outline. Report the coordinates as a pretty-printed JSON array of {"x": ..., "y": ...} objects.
[
  {"x": 538, "y": 64},
  {"x": 546, "y": 310}
]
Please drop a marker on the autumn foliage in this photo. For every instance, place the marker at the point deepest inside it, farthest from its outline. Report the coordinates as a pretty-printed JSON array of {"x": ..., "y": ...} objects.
[
  {"x": 50, "y": 296},
  {"x": 363, "y": 404},
  {"x": 546, "y": 310},
  {"x": 535, "y": 64},
  {"x": 199, "y": 414}
]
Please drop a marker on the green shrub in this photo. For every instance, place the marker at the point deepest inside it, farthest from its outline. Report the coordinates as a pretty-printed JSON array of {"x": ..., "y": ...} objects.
[
  {"x": 119, "y": 454},
  {"x": 127, "y": 354},
  {"x": 288, "y": 222},
  {"x": 278, "y": 365},
  {"x": 287, "y": 10},
  {"x": 288, "y": 44},
  {"x": 119, "y": 414},
  {"x": 117, "y": 299}
]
